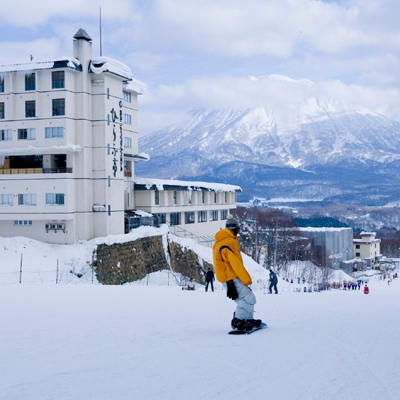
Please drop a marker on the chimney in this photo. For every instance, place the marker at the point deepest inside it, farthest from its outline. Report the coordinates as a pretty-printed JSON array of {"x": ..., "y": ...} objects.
[{"x": 83, "y": 48}]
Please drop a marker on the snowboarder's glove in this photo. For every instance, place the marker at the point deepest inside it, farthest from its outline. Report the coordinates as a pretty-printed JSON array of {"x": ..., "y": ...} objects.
[{"x": 231, "y": 292}]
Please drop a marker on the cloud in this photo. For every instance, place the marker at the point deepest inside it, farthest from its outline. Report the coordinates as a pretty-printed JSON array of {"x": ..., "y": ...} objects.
[
  {"x": 29, "y": 13},
  {"x": 227, "y": 92},
  {"x": 257, "y": 27}
]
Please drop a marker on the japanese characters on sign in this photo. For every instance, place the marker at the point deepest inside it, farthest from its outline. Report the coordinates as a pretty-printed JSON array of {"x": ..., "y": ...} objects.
[{"x": 115, "y": 149}]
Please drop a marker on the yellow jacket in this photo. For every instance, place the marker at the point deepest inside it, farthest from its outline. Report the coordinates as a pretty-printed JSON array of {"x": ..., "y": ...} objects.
[{"x": 228, "y": 263}]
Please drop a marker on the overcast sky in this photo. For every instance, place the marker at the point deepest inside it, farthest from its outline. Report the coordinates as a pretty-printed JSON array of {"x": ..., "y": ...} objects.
[{"x": 200, "y": 53}]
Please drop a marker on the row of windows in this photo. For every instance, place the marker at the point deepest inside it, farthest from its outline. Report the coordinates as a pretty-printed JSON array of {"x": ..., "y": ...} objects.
[
  {"x": 175, "y": 197},
  {"x": 29, "y": 199},
  {"x": 175, "y": 218},
  {"x": 57, "y": 81},
  {"x": 23, "y": 223},
  {"x": 50, "y": 133},
  {"x": 58, "y": 108},
  {"x": 30, "y": 133}
]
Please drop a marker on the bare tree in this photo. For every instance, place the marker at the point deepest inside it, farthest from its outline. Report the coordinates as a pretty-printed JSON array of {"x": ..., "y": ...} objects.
[{"x": 268, "y": 231}]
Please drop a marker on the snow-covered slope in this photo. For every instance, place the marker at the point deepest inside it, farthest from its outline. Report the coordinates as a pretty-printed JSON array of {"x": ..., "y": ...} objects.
[{"x": 159, "y": 342}]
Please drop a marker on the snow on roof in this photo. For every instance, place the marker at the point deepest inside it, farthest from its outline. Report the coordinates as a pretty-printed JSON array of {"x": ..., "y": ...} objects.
[
  {"x": 162, "y": 184},
  {"x": 99, "y": 65},
  {"x": 137, "y": 86},
  {"x": 73, "y": 148},
  {"x": 312, "y": 229},
  {"x": 145, "y": 156},
  {"x": 33, "y": 66}
]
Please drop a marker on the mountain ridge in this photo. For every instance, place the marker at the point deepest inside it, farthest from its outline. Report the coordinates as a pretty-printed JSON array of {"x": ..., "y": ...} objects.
[{"x": 320, "y": 138}]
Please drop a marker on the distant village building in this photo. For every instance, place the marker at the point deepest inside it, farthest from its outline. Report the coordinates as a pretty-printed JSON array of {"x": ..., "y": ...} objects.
[
  {"x": 368, "y": 248},
  {"x": 329, "y": 246}
]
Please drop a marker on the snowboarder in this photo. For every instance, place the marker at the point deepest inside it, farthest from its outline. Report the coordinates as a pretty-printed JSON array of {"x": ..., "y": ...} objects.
[
  {"x": 366, "y": 289},
  {"x": 210, "y": 279},
  {"x": 230, "y": 270},
  {"x": 273, "y": 279}
]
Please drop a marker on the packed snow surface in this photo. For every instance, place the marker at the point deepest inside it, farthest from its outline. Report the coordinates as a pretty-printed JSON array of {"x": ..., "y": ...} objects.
[{"x": 152, "y": 340}]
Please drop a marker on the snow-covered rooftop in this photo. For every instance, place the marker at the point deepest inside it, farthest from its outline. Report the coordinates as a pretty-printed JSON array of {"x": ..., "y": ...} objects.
[
  {"x": 136, "y": 86},
  {"x": 312, "y": 229},
  {"x": 32, "y": 66},
  {"x": 70, "y": 148},
  {"x": 163, "y": 184},
  {"x": 99, "y": 65}
]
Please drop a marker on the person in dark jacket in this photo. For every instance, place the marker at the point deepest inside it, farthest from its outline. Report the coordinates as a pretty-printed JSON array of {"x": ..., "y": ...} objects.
[
  {"x": 210, "y": 279},
  {"x": 273, "y": 281}
]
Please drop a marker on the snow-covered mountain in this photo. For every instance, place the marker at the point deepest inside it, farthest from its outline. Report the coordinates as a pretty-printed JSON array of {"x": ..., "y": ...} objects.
[{"x": 314, "y": 147}]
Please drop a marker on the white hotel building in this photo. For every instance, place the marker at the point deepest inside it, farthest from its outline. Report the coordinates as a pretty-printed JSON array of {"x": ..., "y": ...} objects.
[{"x": 68, "y": 145}]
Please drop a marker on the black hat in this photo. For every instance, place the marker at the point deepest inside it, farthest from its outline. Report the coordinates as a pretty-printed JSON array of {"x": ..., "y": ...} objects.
[{"x": 231, "y": 223}]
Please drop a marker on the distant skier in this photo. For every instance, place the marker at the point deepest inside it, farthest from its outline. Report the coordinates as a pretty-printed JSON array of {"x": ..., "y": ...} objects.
[
  {"x": 190, "y": 285},
  {"x": 210, "y": 279},
  {"x": 273, "y": 279},
  {"x": 230, "y": 270},
  {"x": 366, "y": 289}
]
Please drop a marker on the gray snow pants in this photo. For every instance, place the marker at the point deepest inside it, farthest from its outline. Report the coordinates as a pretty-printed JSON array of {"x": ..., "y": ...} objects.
[{"x": 245, "y": 302}]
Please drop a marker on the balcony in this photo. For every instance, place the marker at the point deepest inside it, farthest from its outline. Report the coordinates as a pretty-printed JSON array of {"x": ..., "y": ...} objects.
[{"x": 12, "y": 171}]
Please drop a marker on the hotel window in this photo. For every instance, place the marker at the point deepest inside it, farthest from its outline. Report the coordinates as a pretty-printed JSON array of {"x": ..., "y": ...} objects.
[
  {"x": 1, "y": 110},
  {"x": 157, "y": 197},
  {"x": 162, "y": 218},
  {"x": 57, "y": 79},
  {"x": 226, "y": 197},
  {"x": 23, "y": 223},
  {"x": 127, "y": 119},
  {"x": 189, "y": 217},
  {"x": 175, "y": 218},
  {"x": 357, "y": 254},
  {"x": 1, "y": 84},
  {"x": 126, "y": 96},
  {"x": 214, "y": 215},
  {"x": 54, "y": 132},
  {"x": 202, "y": 216},
  {"x": 30, "y": 81},
  {"x": 6, "y": 200},
  {"x": 27, "y": 134},
  {"x": 174, "y": 197},
  {"x": 58, "y": 107},
  {"x": 128, "y": 142},
  {"x": 30, "y": 109},
  {"x": 55, "y": 198},
  {"x": 203, "y": 197},
  {"x": 224, "y": 214},
  {"x": 215, "y": 197},
  {"x": 27, "y": 199},
  {"x": 357, "y": 246},
  {"x": 5, "y": 134}
]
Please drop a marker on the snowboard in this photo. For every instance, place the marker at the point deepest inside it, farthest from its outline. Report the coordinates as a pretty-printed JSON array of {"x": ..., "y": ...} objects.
[{"x": 240, "y": 332}]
